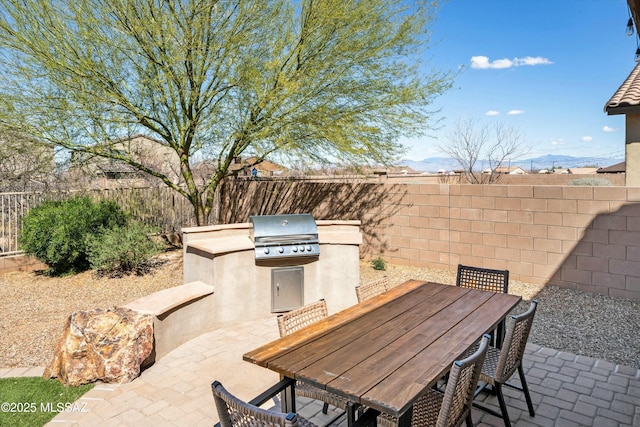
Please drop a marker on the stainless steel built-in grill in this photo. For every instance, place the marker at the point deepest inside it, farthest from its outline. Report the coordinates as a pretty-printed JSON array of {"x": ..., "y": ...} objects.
[{"x": 285, "y": 236}]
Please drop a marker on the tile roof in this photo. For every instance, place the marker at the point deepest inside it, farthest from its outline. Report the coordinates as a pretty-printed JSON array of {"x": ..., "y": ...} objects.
[{"x": 627, "y": 97}]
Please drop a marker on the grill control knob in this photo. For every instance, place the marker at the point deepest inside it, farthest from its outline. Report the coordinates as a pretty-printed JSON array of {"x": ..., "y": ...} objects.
[
  {"x": 309, "y": 248},
  {"x": 294, "y": 249},
  {"x": 266, "y": 251},
  {"x": 301, "y": 248},
  {"x": 280, "y": 249}
]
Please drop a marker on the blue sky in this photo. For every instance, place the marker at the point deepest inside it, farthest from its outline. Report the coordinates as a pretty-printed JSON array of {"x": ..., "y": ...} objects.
[{"x": 546, "y": 67}]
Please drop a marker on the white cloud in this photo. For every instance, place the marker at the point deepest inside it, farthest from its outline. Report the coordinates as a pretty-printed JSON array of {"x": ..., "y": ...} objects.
[
  {"x": 608, "y": 129},
  {"x": 587, "y": 138},
  {"x": 558, "y": 141},
  {"x": 482, "y": 62},
  {"x": 532, "y": 60},
  {"x": 492, "y": 113},
  {"x": 515, "y": 112}
]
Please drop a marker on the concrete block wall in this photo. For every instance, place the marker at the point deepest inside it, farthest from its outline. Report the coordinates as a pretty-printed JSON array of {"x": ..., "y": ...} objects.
[{"x": 585, "y": 238}]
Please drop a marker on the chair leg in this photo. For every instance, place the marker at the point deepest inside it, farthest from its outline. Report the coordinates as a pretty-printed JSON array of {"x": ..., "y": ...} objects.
[
  {"x": 525, "y": 389},
  {"x": 500, "y": 332},
  {"x": 503, "y": 405},
  {"x": 325, "y": 408},
  {"x": 469, "y": 420},
  {"x": 351, "y": 411}
]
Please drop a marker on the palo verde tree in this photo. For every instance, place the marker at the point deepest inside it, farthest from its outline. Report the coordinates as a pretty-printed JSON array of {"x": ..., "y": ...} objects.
[
  {"x": 480, "y": 149},
  {"x": 320, "y": 80}
]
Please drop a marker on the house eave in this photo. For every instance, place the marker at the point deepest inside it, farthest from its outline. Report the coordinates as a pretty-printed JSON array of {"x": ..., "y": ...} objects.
[{"x": 631, "y": 109}]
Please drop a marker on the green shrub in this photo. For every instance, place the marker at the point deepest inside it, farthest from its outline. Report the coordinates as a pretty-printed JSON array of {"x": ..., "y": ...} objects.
[
  {"x": 122, "y": 249},
  {"x": 379, "y": 264},
  {"x": 595, "y": 182},
  {"x": 56, "y": 232}
]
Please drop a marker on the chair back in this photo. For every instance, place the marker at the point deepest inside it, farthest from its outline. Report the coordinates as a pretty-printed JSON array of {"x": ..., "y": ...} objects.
[
  {"x": 234, "y": 412},
  {"x": 372, "y": 288},
  {"x": 515, "y": 341},
  {"x": 461, "y": 386},
  {"x": 484, "y": 279},
  {"x": 301, "y": 317}
]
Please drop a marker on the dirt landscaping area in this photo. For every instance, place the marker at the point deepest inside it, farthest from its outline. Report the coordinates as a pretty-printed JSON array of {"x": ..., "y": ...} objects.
[{"x": 35, "y": 306}]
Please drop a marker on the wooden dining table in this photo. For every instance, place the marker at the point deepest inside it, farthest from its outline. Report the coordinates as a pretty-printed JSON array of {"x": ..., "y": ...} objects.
[{"x": 385, "y": 352}]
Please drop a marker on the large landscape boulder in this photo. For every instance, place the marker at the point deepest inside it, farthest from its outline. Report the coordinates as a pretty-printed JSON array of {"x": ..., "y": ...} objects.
[{"x": 102, "y": 344}]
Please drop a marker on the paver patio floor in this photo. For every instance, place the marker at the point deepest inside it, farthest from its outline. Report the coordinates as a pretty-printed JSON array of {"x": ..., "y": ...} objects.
[{"x": 567, "y": 390}]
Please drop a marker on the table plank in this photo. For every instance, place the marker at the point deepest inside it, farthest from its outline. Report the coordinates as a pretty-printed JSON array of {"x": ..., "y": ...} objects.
[
  {"x": 262, "y": 355},
  {"x": 392, "y": 332},
  {"x": 317, "y": 349},
  {"x": 360, "y": 378},
  {"x": 395, "y": 393}
]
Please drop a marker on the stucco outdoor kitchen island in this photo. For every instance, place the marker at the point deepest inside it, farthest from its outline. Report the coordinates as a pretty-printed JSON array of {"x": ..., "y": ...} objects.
[{"x": 245, "y": 287}]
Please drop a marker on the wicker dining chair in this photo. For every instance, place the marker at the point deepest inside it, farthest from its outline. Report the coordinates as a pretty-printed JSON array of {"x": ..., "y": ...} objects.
[
  {"x": 485, "y": 279},
  {"x": 298, "y": 319},
  {"x": 372, "y": 288},
  {"x": 451, "y": 408},
  {"x": 234, "y": 412},
  {"x": 501, "y": 363}
]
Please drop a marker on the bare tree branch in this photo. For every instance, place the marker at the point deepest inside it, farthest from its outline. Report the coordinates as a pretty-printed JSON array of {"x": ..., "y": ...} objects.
[{"x": 480, "y": 149}]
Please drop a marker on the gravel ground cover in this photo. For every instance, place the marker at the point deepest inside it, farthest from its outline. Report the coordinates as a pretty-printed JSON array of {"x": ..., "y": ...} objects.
[
  {"x": 569, "y": 320},
  {"x": 35, "y": 307}
]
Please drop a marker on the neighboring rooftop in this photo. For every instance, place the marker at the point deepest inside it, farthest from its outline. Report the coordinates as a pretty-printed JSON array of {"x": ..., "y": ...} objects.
[
  {"x": 617, "y": 168},
  {"x": 583, "y": 171},
  {"x": 513, "y": 170}
]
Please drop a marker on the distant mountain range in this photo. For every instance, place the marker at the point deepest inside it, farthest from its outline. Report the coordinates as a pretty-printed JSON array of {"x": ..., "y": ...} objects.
[{"x": 548, "y": 161}]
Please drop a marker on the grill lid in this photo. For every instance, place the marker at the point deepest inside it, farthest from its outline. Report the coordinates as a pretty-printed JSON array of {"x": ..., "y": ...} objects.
[
  {"x": 276, "y": 228},
  {"x": 285, "y": 236}
]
